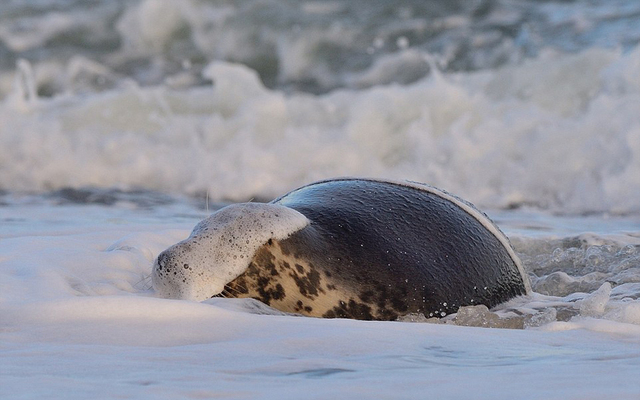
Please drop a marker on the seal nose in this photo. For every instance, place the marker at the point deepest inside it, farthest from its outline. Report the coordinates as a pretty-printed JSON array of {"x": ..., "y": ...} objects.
[
  {"x": 161, "y": 261},
  {"x": 160, "y": 276},
  {"x": 161, "y": 268}
]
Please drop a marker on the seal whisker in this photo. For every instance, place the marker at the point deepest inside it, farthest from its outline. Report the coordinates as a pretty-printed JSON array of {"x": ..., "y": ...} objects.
[
  {"x": 144, "y": 283},
  {"x": 232, "y": 290}
]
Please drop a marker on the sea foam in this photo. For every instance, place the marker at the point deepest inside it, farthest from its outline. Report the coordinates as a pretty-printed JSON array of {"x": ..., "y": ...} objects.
[{"x": 493, "y": 137}]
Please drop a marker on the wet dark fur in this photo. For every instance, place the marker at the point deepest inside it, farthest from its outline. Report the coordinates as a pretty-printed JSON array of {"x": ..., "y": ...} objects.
[{"x": 379, "y": 250}]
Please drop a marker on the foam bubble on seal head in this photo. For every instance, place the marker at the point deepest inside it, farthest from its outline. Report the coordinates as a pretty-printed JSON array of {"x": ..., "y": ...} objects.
[{"x": 220, "y": 248}]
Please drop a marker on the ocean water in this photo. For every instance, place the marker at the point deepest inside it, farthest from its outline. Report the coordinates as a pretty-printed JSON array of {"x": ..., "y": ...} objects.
[{"x": 124, "y": 123}]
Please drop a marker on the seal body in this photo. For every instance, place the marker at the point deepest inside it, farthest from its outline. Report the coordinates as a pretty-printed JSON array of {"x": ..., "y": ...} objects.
[{"x": 368, "y": 249}]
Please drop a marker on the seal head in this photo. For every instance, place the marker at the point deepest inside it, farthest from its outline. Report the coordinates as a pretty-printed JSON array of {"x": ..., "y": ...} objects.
[{"x": 220, "y": 248}]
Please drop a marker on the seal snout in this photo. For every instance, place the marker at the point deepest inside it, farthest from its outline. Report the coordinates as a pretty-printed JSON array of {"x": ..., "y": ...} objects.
[
  {"x": 180, "y": 273},
  {"x": 164, "y": 264},
  {"x": 161, "y": 261},
  {"x": 160, "y": 275},
  {"x": 171, "y": 276}
]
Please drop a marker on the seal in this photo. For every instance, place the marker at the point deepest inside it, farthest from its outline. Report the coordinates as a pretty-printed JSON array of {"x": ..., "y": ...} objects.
[{"x": 348, "y": 248}]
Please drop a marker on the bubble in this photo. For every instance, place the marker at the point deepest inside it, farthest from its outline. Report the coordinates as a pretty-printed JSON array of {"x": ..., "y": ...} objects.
[{"x": 594, "y": 305}]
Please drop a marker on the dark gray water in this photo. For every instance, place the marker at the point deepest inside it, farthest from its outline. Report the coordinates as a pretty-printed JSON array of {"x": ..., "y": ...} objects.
[{"x": 313, "y": 46}]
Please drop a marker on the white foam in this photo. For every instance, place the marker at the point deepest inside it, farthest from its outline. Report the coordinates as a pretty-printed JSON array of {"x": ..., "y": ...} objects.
[
  {"x": 220, "y": 249},
  {"x": 626, "y": 312},
  {"x": 594, "y": 304},
  {"x": 71, "y": 311},
  {"x": 492, "y": 137},
  {"x": 149, "y": 25}
]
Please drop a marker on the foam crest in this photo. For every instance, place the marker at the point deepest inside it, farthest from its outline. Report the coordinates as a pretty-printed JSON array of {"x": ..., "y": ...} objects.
[
  {"x": 220, "y": 249},
  {"x": 149, "y": 25},
  {"x": 493, "y": 137}
]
